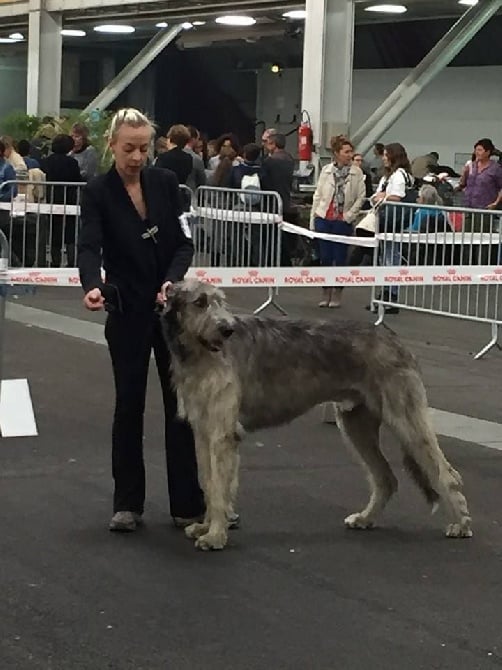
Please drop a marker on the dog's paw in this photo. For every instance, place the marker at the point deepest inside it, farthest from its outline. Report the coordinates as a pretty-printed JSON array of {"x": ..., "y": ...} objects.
[
  {"x": 358, "y": 521},
  {"x": 457, "y": 530},
  {"x": 212, "y": 540},
  {"x": 195, "y": 530}
]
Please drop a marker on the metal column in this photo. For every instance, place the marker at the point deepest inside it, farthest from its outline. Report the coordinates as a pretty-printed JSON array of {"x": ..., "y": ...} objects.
[
  {"x": 327, "y": 67},
  {"x": 45, "y": 47},
  {"x": 443, "y": 53},
  {"x": 157, "y": 44}
]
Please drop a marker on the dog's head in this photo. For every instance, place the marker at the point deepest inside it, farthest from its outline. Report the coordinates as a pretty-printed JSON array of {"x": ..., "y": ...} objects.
[{"x": 197, "y": 315}]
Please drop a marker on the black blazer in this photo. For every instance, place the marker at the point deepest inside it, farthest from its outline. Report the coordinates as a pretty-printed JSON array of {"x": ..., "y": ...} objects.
[
  {"x": 177, "y": 160},
  {"x": 112, "y": 232}
]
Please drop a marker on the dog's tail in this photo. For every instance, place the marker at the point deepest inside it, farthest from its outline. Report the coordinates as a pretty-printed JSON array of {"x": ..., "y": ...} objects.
[{"x": 420, "y": 478}]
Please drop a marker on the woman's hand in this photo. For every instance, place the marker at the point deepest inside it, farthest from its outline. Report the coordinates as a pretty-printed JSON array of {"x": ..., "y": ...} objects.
[
  {"x": 162, "y": 294},
  {"x": 493, "y": 205},
  {"x": 93, "y": 300},
  {"x": 378, "y": 197}
]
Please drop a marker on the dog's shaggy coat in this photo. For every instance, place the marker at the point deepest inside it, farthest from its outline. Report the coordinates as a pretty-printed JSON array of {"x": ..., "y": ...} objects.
[{"x": 235, "y": 374}]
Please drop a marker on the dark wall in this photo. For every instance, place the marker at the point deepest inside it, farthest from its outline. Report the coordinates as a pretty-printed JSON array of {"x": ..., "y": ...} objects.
[{"x": 190, "y": 90}]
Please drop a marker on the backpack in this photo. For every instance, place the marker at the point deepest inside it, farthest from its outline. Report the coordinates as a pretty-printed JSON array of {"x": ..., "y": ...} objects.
[{"x": 250, "y": 182}]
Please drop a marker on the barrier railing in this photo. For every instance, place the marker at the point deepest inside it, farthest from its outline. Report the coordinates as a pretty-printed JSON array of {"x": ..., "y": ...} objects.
[
  {"x": 238, "y": 243},
  {"x": 238, "y": 228},
  {"x": 41, "y": 220},
  {"x": 461, "y": 269}
]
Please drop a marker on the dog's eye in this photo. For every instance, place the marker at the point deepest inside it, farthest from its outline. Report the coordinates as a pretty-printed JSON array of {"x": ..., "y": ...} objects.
[{"x": 201, "y": 302}]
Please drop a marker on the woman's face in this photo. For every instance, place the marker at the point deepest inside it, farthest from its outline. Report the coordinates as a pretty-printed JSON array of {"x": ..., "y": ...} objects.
[
  {"x": 386, "y": 159},
  {"x": 78, "y": 140},
  {"x": 130, "y": 148},
  {"x": 199, "y": 147},
  {"x": 345, "y": 155},
  {"x": 481, "y": 153}
]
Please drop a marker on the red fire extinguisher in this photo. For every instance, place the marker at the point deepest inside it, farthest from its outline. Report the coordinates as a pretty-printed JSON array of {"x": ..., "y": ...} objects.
[{"x": 305, "y": 139}]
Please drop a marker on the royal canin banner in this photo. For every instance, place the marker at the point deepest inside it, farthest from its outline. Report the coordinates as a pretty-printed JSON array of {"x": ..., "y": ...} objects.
[{"x": 287, "y": 277}]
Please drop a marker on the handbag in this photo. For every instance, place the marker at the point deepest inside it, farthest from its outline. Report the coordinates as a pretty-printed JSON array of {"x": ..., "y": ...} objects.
[{"x": 368, "y": 222}]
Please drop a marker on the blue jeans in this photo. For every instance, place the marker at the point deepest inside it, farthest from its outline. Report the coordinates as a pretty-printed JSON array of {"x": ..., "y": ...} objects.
[
  {"x": 391, "y": 257},
  {"x": 333, "y": 253}
]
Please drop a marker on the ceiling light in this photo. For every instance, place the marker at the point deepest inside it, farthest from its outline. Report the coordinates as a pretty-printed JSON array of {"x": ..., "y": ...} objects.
[
  {"x": 162, "y": 24},
  {"x": 187, "y": 25},
  {"x": 236, "y": 20},
  {"x": 387, "y": 9},
  {"x": 7, "y": 40},
  {"x": 72, "y": 32},
  {"x": 199, "y": 23},
  {"x": 470, "y": 3},
  {"x": 295, "y": 14},
  {"x": 114, "y": 29},
  {"x": 16, "y": 37}
]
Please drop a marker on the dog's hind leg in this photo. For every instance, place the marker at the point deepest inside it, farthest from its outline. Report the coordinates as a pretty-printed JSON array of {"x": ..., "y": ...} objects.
[
  {"x": 406, "y": 412},
  {"x": 361, "y": 428}
]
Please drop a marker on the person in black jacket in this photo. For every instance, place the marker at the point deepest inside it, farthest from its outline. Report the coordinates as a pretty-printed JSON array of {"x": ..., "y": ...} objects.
[
  {"x": 175, "y": 158},
  {"x": 132, "y": 225},
  {"x": 58, "y": 166}
]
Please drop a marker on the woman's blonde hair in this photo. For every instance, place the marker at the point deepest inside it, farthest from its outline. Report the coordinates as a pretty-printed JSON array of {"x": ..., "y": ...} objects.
[{"x": 129, "y": 117}]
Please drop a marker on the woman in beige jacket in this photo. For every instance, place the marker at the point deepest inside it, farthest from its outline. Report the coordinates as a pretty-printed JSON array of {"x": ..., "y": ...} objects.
[{"x": 338, "y": 199}]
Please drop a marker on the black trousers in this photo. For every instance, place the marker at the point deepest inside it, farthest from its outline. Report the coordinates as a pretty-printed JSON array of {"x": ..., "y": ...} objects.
[{"x": 130, "y": 338}]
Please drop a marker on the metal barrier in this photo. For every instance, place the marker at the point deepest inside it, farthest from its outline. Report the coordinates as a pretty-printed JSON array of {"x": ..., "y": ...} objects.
[
  {"x": 41, "y": 221},
  {"x": 238, "y": 228},
  {"x": 4, "y": 264},
  {"x": 419, "y": 243}
]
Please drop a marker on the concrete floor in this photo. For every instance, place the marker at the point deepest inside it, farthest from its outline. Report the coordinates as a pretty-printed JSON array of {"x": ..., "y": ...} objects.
[{"x": 295, "y": 590}]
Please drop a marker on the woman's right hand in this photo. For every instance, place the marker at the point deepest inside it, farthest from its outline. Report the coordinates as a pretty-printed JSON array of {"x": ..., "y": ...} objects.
[{"x": 94, "y": 300}]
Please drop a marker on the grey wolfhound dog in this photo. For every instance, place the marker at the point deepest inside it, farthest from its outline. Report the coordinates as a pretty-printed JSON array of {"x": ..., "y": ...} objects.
[{"x": 236, "y": 374}]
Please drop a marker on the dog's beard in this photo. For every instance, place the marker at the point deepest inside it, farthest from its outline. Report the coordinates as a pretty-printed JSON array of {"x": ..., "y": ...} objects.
[{"x": 214, "y": 345}]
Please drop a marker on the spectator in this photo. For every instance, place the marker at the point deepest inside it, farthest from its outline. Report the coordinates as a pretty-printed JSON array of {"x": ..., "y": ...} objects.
[
  {"x": 395, "y": 186},
  {"x": 337, "y": 201},
  {"x": 83, "y": 152},
  {"x": 224, "y": 142},
  {"x": 175, "y": 158},
  {"x": 59, "y": 166},
  {"x": 160, "y": 147},
  {"x": 13, "y": 157},
  {"x": 221, "y": 176},
  {"x": 7, "y": 173},
  {"x": 422, "y": 165},
  {"x": 248, "y": 167},
  {"x": 376, "y": 164},
  {"x": 264, "y": 141},
  {"x": 198, "y": 175},
  {"x": 482, "y": 182},
  {"x": 429, "y": 220},
  {"x": 7, "y": 191},
  {"x": 24, "y": 148},
  {"x": 278, "y": 170},
  {"x": 359, "y": 161}
]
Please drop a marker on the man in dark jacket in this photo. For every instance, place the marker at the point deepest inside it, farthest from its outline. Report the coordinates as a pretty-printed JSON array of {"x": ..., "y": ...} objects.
[
  {"x": 58, "y": 166},
  {"x": 278, "y": 171},
  {"x": 175, "y": 158}
]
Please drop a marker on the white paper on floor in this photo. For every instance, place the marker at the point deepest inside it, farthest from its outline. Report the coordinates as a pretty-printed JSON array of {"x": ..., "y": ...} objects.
[{"x": 16, "y": 409}]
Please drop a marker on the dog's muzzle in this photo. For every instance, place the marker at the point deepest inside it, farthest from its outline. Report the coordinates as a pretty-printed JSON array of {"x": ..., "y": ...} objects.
[{"x": 225, "y": 331}]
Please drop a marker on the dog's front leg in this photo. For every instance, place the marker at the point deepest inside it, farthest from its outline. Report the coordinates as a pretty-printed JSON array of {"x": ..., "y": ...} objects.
[{"x": 222, "y": 454}]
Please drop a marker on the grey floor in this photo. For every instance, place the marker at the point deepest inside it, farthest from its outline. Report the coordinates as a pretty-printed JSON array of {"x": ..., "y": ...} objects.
[{"x": 294, "y": 590}]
